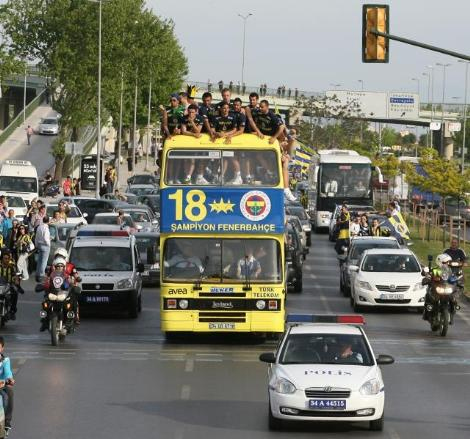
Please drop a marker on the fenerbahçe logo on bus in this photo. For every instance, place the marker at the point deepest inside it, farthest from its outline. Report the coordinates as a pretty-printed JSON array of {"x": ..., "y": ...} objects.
[{"x": 255, "y": 205}]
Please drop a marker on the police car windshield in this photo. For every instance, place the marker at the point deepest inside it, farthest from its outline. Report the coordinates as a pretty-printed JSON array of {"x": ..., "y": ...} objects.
[
  {"x": 102, "y": 258},
  {"x": 326, "y": 349},
  {"x": 391, "y": 264},
  {"x": 222, "y": 167},
  {"x": 222, "y": 260},
  {"x": 359, "y": 248}
]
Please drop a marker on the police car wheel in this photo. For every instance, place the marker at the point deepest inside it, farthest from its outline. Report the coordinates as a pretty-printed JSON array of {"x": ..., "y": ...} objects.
[
  {"x": 377, "y": 425},
  {"x": 273, "y": 423}
]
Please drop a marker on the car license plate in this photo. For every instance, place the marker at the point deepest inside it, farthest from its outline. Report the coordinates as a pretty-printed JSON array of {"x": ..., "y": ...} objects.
[
  {"x": 392, "y": 296},
  {"x": 97, "y": 299},
  {"x": 221, "y": 325},
  {"x": 327, "y": 404},
  {"x": 146, "y": 273}
]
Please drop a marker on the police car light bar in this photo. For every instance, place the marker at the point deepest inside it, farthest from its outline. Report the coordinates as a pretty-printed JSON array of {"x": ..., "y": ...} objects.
[
  {"x": 354, "y": 319},
  {"x": 102, "y": 233}
]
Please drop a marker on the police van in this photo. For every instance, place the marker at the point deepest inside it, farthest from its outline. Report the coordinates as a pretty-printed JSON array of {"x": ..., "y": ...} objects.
[{"x": 109, "y": 264}]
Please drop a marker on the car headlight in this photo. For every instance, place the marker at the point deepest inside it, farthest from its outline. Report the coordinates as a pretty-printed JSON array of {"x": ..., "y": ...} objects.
[
  {"x": 371, "y": 387},
  {"x": 365, "y": 285},
  {"x": 260, "y": 304},
  {"x": 124, "y": 284},
  {"x": 306, "y": 228},
  {"x": 284, "y": 386}
]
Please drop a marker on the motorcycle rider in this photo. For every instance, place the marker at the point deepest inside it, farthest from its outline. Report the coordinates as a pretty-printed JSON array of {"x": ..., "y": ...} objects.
[
  {"x": 439, "y": 273},
  {"x": 8, "y": 272},
  {"x": 456, "y": 253},
  {"x": 57, "y": 270},
  {"x": 6, "y": 392}
]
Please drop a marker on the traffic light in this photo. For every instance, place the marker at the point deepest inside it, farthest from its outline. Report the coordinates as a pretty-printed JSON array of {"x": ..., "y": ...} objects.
[{"x": 375, "y": 48}]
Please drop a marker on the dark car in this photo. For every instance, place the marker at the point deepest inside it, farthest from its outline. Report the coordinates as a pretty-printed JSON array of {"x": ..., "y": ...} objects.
[
  {"x": 304, "y": 218},
  {"x": 92, "y": 206},
  {"x": 294, "y": 259},
  {"x": 130, "y": 198},
  {"x": 356, "y": 249},
  {"x": 148, "y": 244},
  {"x": 142, "y": 179},
  {"x": 457, "y": 208},
  {"x": 153, "y": 201}
]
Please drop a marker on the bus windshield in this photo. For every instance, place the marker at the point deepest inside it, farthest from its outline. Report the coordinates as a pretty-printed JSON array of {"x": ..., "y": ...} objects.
[
  {"x": 18, "y": 184},
  {"x": 215, "y": 260},
  {"x": 222, "y": 167},
  {"x": 345, "y": 180}
]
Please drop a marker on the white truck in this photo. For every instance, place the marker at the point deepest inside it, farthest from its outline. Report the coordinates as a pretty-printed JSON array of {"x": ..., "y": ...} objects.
[{"x": 19, "y": 178}]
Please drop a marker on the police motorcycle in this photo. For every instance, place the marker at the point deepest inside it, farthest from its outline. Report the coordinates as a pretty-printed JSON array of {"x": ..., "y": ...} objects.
[
  {"x": 57, "y": 308},
  {"x": 441, "y": 298}
]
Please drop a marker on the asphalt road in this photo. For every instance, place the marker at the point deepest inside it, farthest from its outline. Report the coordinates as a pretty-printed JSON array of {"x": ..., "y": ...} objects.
[{"x": 117, "y": 378}]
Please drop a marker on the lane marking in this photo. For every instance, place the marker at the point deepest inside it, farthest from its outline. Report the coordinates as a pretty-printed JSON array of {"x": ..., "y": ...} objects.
[
  {"x": 393, "y": 434},
  {"x": 185, "y": 392},
  {"x": 189, "y": 366}
]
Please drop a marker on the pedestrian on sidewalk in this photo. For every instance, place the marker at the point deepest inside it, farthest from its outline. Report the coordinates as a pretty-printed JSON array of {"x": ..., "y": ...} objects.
[
  {"x": 29, "y": 133},
  {"x": 67, "y": 186}
]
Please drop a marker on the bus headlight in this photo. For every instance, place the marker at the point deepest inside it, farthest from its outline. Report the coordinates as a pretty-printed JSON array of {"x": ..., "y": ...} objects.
[
  {"x": 183, "y": 304},
  {"x": 260, "y": 304}
]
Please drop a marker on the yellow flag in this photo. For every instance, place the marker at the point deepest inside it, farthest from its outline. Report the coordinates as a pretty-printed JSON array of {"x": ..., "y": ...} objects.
[{"x": 400, "y": 226}]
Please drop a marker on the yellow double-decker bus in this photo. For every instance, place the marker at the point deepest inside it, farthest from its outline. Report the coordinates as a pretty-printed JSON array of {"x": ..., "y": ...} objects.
[{"x": 222, "y": 236}]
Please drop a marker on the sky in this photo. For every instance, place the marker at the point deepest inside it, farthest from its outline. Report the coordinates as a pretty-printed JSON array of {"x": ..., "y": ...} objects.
[{"x": 311, "y": 44}]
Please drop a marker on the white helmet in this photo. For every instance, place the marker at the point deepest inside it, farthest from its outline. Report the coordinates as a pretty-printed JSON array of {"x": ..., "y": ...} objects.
[
  {"x": 62, "y": 253},
  {"x": 59, "y": 261},
  {"x": 443, "y": 259}
]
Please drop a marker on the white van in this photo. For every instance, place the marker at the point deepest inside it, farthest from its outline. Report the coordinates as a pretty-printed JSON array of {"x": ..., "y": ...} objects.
[
  {"x": 108, "y": 261},
  {"x": 19, "y": 178}
]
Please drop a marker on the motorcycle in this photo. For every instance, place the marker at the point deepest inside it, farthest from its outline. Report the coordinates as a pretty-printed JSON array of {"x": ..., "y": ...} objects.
[
  {"x": 58, "y": 309},
  {"x": 50, "y": 188},
  {"x": 441, "y": 308},
  {"x": 5, "y": 302},
  {"x": 457, "y": 271}
]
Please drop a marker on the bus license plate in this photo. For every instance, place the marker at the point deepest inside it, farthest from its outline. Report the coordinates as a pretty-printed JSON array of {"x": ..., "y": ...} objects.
[
  {"x": 327, "y": 404},
  {"x": 220, "y": 325},
  {"x": 392, "y": 296}
]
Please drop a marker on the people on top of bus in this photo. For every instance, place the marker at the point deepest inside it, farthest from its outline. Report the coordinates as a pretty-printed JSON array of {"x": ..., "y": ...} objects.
[
  {"x": 192, "y": 123},
  {"x": 206, "y": 109},
  {"x": 184, "y": 102},
  {"x": 226, "y": 99},
  {"x": 239, "y": 113},
  {"x": 266, "y": 122},
  {"x": 172, "y": 116},
  {"x": 223, "y": 125}
]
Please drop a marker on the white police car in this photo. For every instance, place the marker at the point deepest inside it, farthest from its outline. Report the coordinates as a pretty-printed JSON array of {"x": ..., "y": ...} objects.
[{"x": 325, "y": 370}]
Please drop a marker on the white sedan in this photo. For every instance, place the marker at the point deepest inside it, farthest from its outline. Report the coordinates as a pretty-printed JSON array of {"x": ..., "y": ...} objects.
[
  {"x": 74, "y": 214},
  {"x": 387, "y": 277},
  {"x": 49, "y": 125},
  {"x": 325, "y": 371}
]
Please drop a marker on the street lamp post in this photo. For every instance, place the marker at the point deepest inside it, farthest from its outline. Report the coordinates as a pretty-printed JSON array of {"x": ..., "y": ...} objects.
[
  {"x": 118, "y": 165},
  {"x": 362, "y": 89},
  {"x": 362, "y": 84},
  {"x": 464, "y": 114},
  {"x": 336, "y": 86},
  {"x": 444, "y": 66},
  {"x": 418, "y": 86},
  {"x": 431, "y": 68},
  {"x": 244, "y": 18},
  {"x": 135, "y": 124},
  {"x": 148, "y": 128},
  {"x": 428, "y": 99}
]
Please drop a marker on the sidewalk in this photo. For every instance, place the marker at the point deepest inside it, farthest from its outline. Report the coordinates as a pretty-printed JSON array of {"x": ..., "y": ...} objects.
[{"x": 16, "y": 146}]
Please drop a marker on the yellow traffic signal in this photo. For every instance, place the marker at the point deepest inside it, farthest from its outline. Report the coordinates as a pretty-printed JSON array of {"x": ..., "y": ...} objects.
[{"x": 375, "y": 48}]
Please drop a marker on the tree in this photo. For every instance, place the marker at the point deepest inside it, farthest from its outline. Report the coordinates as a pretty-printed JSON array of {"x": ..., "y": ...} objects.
[
  {"x": 390, "y": 137},
  {"x": 441, "y": 176},
  {"x": 62, "y": 36}
]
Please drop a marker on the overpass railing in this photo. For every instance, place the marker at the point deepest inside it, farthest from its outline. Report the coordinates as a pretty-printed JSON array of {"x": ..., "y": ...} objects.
[{"x": 18, "y": 120}]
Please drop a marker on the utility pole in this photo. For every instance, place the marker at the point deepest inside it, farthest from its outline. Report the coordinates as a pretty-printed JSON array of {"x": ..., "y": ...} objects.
[
  {"x": 135, "y": 125},
  {"x": 428, "y": 99},
  {"x": 444, "y": 66},
  {"x": 148, "y": 127},
  {"x": 118, "y": 166},
  {"x": 464, "y": 114},
  {"x": 244, "y": 18}
]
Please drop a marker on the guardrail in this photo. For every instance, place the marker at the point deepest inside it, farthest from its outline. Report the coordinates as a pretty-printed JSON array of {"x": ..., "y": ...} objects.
[{"x": 18, "y": 120}]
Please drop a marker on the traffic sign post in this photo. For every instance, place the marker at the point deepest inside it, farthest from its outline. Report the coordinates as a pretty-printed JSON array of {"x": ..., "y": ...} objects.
[{"x": 73, "y": 148}]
